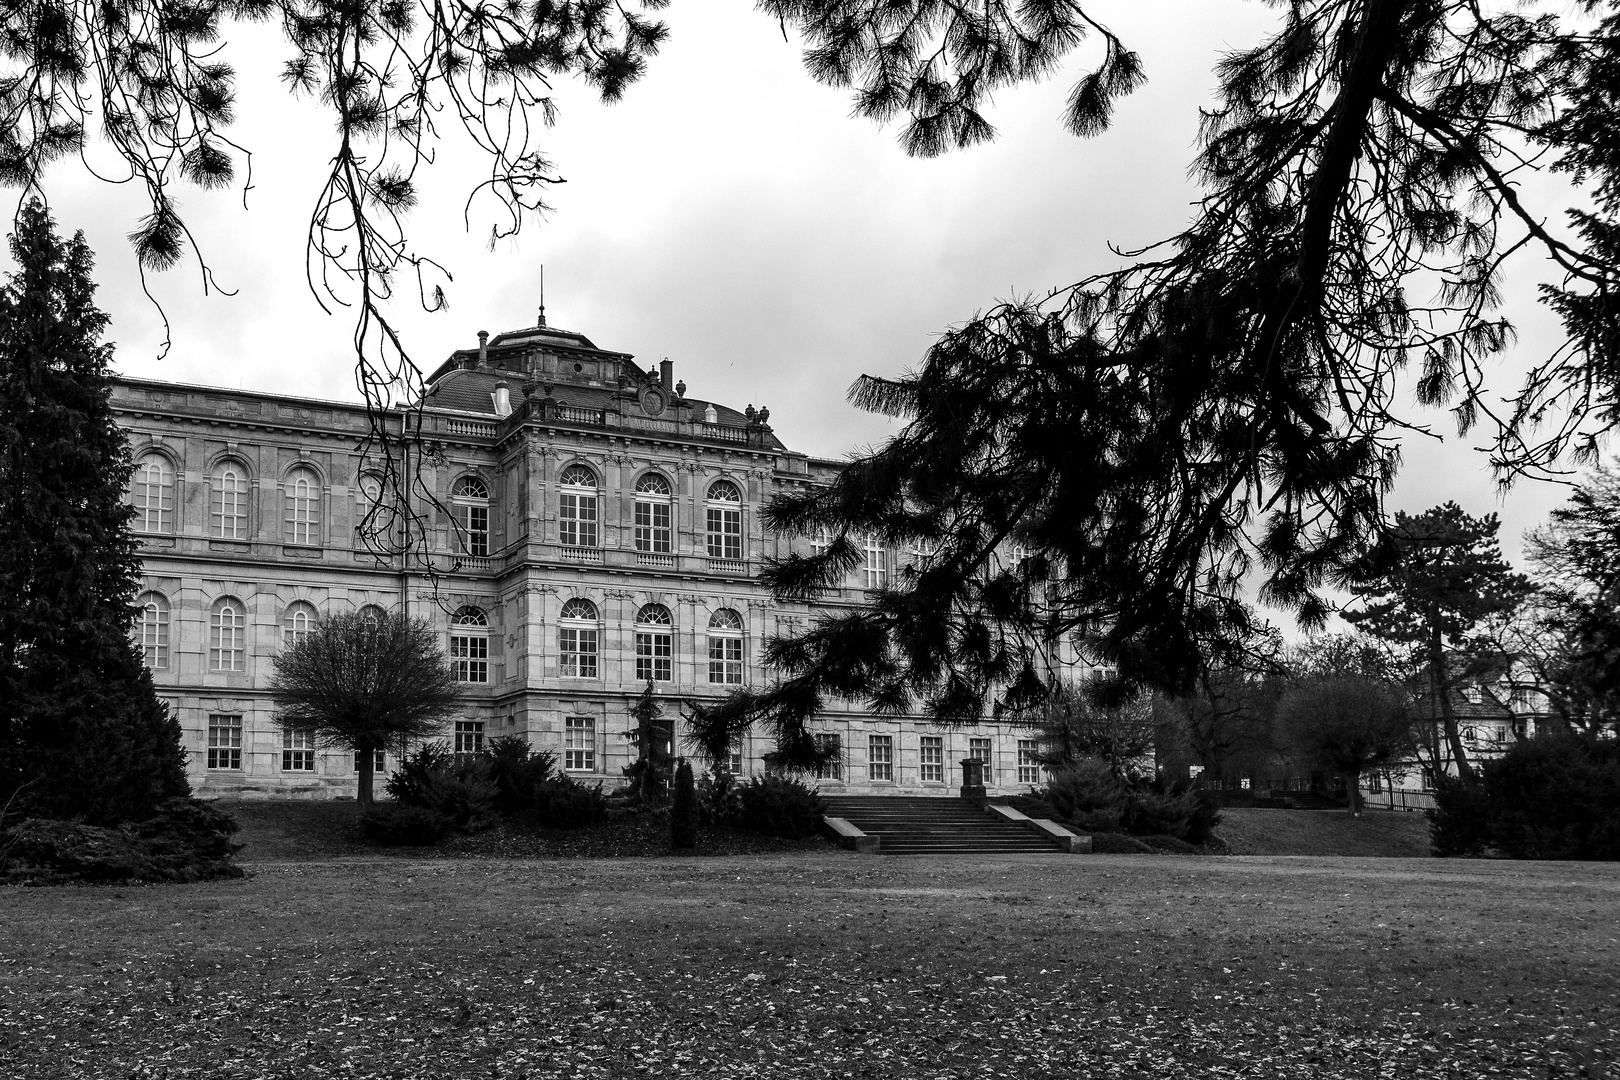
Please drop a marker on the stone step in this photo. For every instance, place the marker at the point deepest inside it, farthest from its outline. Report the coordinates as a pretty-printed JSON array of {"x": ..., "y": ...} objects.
[{"x": 913, "y": 825}]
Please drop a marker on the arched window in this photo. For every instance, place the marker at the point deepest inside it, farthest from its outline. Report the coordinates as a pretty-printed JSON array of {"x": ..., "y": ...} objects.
[
  {"x": 821, "y": 540},
  {"x": 303, "y": 519},
  {"x": 227, "y": 635},
  {"x": 576, "y": 508},
  {"x": 470, "y": 500},
  {"x": 152, "y": 629},
  {"x": 228, "y": 501},
  {"x": 151, "y": 488},
  {"x": 296, "y": 622},
  {"x": 654, "y": 643},
  {"x": 653, "y": 497},
  {"x": 577, "y": 639},
  {"x": 373, "y": 614},
  {"x": 724, "y": 521},
  {"x": 726, "y": 648},
  {"x": 469, "y": 645}
]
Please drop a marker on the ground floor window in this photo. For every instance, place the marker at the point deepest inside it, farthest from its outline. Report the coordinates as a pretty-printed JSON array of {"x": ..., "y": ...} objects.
[
  {"x": 469, "y": 736},
  {"x": 979, "y": 750},
  {"x": 224, "y": 741},
  {"x": 931, "y": 759},
  {"x": 376, "y": 763},
  {"x": 833, "y": 768},
  {"x": 880, "y": 757},
  {"x": 297, "y": 751},
  {"x": 579, "y": 744},
  {"x": 734, "y": 762},
  {"x": 1029, "y": 766}
]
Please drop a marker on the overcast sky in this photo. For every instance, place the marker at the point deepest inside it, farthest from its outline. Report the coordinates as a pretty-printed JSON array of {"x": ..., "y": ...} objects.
[{"x": 728, "y": 214}]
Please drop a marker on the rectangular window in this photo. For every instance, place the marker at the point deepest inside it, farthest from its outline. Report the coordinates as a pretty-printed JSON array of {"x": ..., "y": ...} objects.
[
  {"x": 224, "y": 741},
  {"x": 577, "y": 650},
  {"x": 469, "y": 736},
  {"x": 653, "y": 657},
  {"x": 475, "y": 526},
  {"x": 579, "y": 744},
  {"x": 378, "y": 761},
  {"x": 734, "y": 763},
  {"x": 877, "y": 562},
  {"x": 931, "y": 759},
  {"x": 228, "y": 512},
  {"x": 880, "y": 757},
  {"x": 979, "y": 750},
  {"x": 154, "y": 626},
  {"x": 297, "y": 751},
  {"x": 153, "y": 497},
  {"x": 652, "y": 527},
  {"x": 725, "y": 660},
  {"x": 833, "y": 768},
  {"x": 577, "y": 520},
  {"x": 725, "y": 533},
  {"x": 1029, "y": 769},
  {"x": 469, "y": 657}
]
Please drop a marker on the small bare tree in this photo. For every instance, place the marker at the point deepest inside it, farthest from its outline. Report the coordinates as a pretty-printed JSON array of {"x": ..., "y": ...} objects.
[
  {"x": 358, "y": 681},
  {"x": 1350, "y": 723}
]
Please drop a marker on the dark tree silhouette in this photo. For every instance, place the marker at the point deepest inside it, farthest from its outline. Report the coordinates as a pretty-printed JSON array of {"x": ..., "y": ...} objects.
[
  {"x": 82, "y": 732},
  {"x": 653, "y": 735},
  {"x": 1437, "y": 580},
  {"x": 1348, "y": 723},
  {"x": 360, "y": 681}
]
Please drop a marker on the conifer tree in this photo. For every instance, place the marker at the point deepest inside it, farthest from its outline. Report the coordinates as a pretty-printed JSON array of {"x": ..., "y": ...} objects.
[
  {"x": 82, "y": 732},
  {"x": 652, "y": 770}
]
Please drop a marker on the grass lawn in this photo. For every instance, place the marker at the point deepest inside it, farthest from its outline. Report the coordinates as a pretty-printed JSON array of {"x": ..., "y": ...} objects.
[
  {"x": 1325, "y": 832},
  {"x": 822, "y": 965}
]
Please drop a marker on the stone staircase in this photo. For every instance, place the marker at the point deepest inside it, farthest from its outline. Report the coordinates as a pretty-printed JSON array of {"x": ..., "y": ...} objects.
[{"x": 936, "y": 826}]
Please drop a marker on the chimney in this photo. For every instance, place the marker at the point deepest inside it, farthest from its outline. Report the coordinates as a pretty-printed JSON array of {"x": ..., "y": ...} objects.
[
  {"x": 666, "y": 374},
  {"x": 483, "y": 348},
  {"x": 503, "y": 399}
]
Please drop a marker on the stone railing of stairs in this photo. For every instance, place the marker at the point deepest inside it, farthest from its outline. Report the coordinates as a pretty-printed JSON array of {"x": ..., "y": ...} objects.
[{"x": 900, "y": 825}]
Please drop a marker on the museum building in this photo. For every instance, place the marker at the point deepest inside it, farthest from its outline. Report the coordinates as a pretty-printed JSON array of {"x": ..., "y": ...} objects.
[{"x": 593, "y": 528}]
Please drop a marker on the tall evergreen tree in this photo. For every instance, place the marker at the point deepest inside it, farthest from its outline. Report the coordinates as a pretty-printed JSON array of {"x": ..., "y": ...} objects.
[
  {"x": 81, "y": 729},
  {"x": 1440, "y": 576}
]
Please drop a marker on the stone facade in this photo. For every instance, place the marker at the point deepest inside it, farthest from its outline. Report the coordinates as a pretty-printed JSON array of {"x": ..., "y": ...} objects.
[{"x": 596, "y": 526}]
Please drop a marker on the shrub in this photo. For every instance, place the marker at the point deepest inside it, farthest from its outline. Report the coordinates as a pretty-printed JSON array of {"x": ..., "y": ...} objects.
[
  {"x": 1088, "y": 795},
  {"x": 398, "y": 824},
  {"x": 1555, "y": 797},
  {"x": 779, "y": 806},
  {"x": 186, "y": 840},
  {"x": 1459, "y": 823},
  {"x": 565, "y": 803},
  {"x": 464, "y": 795},
  {"x": 409, "y": 782},
  {"x": 717, "y": 799},
  {"x": 516, "y": 770},
  {"x": 683, "y": 811}
]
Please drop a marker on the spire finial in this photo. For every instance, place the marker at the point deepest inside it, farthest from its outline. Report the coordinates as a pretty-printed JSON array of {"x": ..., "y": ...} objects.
[{"x": 542, "y": 294}]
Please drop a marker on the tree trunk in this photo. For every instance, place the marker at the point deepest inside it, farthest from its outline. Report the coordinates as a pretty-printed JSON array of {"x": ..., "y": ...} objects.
[
  {"x": 1448, "y": 714},
  {"x": 1352, "y": 791},
  {"x": 368, "y": 762}
]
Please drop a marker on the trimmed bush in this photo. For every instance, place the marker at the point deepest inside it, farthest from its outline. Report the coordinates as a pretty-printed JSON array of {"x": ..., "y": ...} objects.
[
  {"x": 409, "y": 782},
  {"x": 717, "y": 800},
  {"x": 565, "y": 803},
  {"x": 186, "y": 840},
  {"x": 516, "y": 769},
  {"x": 778, "y": 806},
  {"x": 1555, "y": 797},
  {"x": 400, "y": 825},
  {"x": 683, "y": 811},
  {"x": 465, "y": 796}
]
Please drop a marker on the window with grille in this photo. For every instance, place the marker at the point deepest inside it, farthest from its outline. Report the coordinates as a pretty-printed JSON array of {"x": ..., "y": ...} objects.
[
  {"x": 152, "y": 629},
  {"x": 227, "y": 635},
  {"x": 880, "y": 757},
  {"x": 228, "y": 502},
  {"x": 724, "y": 532},
  {"x": 654, "y": 643},
  {"x": 378, "y": 761},
  {"x": 980, "y": 750},
  {"x": 821, "y": 540},
  {"x": 652, "y": 514},
  {"x": 577, "y": 508},
  {"x": 877, "y": 561},
  {"x": 224, "y": 741},
  {"x": 373, "y": 615},
  {"x": 579, "y": 744},
  {"x": 577, "y": 640},
  {"x": 469, "y": 645},
  {"x": 726, "y": 648},
  {"x": 469, "y": 737},
  {"x": 152, "y": 491},
  {"x": 470, "y": 499},
  {"x": 1029, "y": 769},
  {"x": 303, "y": 517},
  {"x": 297, "y": 622},
  {"x": 297, "y": 751},
  {"x": 931, "y": 759},
  {"x": 833, "y": 747},
  {"x": 734, "y": 762}
]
